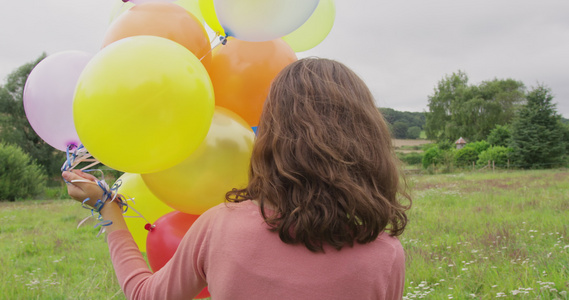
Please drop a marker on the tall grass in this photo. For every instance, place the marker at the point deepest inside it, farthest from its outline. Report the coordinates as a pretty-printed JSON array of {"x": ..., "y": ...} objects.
[
  {"x": 485, "y": 235},
  {"x": 44, "y": 256},
  {"x": 470, "y": 236}
]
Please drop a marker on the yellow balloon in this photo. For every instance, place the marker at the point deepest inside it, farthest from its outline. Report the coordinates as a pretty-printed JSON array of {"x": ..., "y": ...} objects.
[
  {"x": 218, "y": 165},
  {"x": 143, "y": 104},
  {"x": 315, "y": 29},
  {"x": 143, "y": 201},
  {"x": 208, "y": 13}
]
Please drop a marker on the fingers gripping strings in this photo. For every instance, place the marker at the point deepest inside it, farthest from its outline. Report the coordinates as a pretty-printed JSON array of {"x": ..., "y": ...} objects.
[
  {"x": 77, "y": 155},
  {"x": 110, "y": 194}
]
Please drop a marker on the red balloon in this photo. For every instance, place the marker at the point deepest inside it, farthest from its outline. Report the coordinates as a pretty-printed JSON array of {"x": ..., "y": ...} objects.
[{"x": 165, "y": 236}]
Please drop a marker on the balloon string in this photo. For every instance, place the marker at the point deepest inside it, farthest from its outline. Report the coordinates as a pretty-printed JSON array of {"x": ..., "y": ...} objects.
[
  {"x": 70, "y": 158},
  {"x": 137, "y": 212},
  {"x": 110, "y": 194},
  {"x": 123, "y": 202},
  {"x": 214, "y": 38},
  {"x": 222, "y": 41},
  {"x": 79, "y": 155},
  {"x": 116, "y": 12}
]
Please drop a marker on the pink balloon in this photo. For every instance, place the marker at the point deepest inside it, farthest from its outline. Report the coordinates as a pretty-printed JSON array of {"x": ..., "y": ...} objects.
[{"x": 48, "y": 97}]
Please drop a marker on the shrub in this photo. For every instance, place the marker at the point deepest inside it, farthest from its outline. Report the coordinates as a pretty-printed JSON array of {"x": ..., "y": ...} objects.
[
  {"x": 399, "y": 130},
  {"x": 465, "y": 156},
  {"x": 499, "y": 136},
  {"x": 445, "y": 145},
  {"x": 478, "y": 146},
  {"x": 20, "y": 177},
  {"x": 498, "y": 154},
  {"x": 414, "y": 132},
  {"x": 428, "y": 146},
  {"x": 432, "y": 156},
  {"x": 412, "y": 158}
]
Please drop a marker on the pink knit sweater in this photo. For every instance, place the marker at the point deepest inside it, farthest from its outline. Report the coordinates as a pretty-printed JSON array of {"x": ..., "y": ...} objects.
[{"x": 230, "y": 250}]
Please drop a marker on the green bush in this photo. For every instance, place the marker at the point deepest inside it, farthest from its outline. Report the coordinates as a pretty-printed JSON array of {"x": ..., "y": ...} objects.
[
  {"x": 428, "y": 146},
  {"x": 399, "y": 130},
  {"x": 499, "y": 136},
  {"x": 445, "y": 145},
  {"x": 432, "y": 156},
  {"x": 412, "y": 158},
  {"x": 498, "y": 154},
  {"x": 414, "y": 132},
  {"x": 20, "y": 177},
  {"x": 479, "y": 146},
  {"x": 465, "y": 156}
]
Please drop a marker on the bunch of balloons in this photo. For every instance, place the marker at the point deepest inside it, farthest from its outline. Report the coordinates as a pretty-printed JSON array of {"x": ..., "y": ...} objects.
[{"x": 160, "y": 104}]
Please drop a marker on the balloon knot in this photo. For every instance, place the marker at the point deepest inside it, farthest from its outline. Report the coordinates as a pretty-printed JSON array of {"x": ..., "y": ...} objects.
[{"x": 149, "y": 227}]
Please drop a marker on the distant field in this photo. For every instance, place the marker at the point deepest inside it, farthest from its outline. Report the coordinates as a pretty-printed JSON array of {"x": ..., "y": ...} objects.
[
  {"x": 408, "y": 146},
  {"x": 401, "y": 143},
  {"x": 470, "y": 236}
]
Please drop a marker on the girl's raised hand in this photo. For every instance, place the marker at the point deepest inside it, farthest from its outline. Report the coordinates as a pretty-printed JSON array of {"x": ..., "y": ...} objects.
[{"x": 81, "y": 186}]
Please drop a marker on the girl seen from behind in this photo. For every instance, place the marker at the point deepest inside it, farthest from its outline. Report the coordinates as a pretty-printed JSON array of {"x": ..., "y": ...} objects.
[{"x": 318, "y": 219}]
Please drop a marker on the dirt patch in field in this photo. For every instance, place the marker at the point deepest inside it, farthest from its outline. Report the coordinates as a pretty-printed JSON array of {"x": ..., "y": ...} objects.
[
  {"x": 470, "y": 186},
  {"x": 533, "y": 181},
  {"x": 430, "y": 186},
  {"x": 409, "y": 151},
  {"x": 4, "y": 204},
  {"x": 397, "y": 143},
  {"x": 491, "y": 184}
]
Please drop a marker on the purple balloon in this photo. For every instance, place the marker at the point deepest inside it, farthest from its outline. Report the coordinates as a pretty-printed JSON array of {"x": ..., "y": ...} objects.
[{"x": 48, "y": 97}]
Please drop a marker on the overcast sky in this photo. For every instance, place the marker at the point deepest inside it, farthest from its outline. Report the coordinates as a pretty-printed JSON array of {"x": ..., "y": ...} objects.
[{"x": 401, "y": 48}]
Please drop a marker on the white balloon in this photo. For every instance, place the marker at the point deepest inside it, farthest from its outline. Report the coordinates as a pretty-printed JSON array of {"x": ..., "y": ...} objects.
[
  {"x": 262, "y": 20},
  {"x": 48, "y": 97}
]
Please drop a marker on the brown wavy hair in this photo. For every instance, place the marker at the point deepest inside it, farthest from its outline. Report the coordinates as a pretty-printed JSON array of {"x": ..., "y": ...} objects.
[{"x": 323, "y": 160}]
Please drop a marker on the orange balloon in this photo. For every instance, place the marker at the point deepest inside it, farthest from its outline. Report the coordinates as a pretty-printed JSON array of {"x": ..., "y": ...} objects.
[
  {"x": 241, "y": 73},
  {"x": 165, "y": 20}
]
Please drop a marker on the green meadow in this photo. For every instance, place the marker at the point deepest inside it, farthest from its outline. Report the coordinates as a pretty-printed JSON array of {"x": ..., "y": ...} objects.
[
  {"x": 489, "y": 235},
  {"x": 470, "y": 236}
]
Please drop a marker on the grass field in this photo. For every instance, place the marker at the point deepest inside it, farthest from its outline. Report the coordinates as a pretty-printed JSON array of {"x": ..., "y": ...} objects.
[
  {"x": 470, "y": 236},
  {"x": 488, "y": 235}
]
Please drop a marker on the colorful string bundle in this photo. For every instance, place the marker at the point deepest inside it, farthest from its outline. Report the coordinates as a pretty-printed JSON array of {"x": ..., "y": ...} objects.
[{"x": 77, "y": 155}]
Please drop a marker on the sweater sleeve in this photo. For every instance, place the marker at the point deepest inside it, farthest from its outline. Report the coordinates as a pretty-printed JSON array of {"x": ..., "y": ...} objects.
[{"x": 183, "y": 277}]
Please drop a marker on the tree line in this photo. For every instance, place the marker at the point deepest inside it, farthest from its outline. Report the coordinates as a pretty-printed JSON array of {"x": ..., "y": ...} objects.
[
  {"x": 14, "y": 126},
  {"x": 404, "y": 124},
  {"x": 500, "y": 119}
]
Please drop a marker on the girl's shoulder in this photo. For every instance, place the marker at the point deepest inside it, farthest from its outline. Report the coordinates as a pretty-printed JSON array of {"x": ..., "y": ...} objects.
[
  {"x": 229, "y": 207},
  {"x": 231, "y": 210}
]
